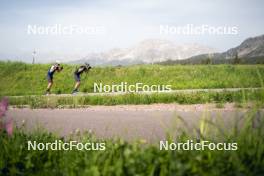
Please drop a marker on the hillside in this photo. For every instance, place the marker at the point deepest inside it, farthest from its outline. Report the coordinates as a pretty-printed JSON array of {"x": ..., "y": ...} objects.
[
  {"x": 251, "y": 47},
  {"x": 250, "y": 51}
]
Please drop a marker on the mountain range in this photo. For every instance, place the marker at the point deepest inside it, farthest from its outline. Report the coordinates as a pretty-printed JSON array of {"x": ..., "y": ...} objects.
[{"x": 146, "y": 52}]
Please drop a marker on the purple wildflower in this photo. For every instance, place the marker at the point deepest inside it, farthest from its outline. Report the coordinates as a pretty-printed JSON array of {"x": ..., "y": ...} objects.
[
  {"x": 8, "y": 126},
  {"x": 3, "y": 107}
]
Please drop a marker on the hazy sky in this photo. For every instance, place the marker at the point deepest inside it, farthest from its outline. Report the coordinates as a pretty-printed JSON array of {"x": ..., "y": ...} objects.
[{"x": 125, "y": 23}]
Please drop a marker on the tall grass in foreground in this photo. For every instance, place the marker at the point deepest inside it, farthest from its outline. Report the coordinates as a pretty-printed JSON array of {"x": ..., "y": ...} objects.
[{"x": 140, "y": 158}]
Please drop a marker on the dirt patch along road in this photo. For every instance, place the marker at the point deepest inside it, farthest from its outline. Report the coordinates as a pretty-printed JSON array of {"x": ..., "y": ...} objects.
[{"x": 149, "y": 122}]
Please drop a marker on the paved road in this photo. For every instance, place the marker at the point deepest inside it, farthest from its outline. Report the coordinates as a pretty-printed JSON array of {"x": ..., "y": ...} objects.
[{"x": 148, "y": 122}]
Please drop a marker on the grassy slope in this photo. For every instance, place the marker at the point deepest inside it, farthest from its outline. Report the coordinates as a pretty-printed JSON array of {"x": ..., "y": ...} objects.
[{"x": 24, "y": 79}]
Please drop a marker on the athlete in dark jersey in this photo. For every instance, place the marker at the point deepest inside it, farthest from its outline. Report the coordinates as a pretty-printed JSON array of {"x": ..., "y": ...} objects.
[
  {"x": 77, "y": 75},
  {"x": 56, "y": 67}
]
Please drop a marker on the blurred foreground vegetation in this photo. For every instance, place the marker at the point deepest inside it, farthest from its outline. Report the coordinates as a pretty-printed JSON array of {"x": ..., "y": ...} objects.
[{"x": 139, "y": 157}]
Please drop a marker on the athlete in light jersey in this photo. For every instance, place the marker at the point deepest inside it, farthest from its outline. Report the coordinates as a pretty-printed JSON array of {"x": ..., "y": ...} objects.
[{"x": 56, "y": 67}]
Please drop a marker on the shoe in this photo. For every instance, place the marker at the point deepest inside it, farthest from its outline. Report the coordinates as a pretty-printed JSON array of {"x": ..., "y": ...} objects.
[
  {"x": 47, "y": 93},
  {"x": 74, "y": 91}
]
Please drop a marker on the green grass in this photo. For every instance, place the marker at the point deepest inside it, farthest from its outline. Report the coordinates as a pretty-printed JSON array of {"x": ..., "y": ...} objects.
[
  {"x": 140, "y": 158},
  {"x": 25, "y": 79},
  {"x": 181, "y": 98}
]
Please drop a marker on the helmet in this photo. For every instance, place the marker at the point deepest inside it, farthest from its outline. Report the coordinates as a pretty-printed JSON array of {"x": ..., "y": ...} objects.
[
  {"x": 87, "y": 65},
  {"x": 58, "y": 62}
]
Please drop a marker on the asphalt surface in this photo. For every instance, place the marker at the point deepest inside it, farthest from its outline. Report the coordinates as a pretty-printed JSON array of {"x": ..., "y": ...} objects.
[{"x": 148, "y": 122}]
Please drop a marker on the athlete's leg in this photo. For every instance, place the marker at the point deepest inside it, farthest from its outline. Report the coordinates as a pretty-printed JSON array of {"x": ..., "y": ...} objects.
[
  {"x": 50, "y": 83},
  {"x": 77, "y": 85},
  {"x": 49, "y": 87}
]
